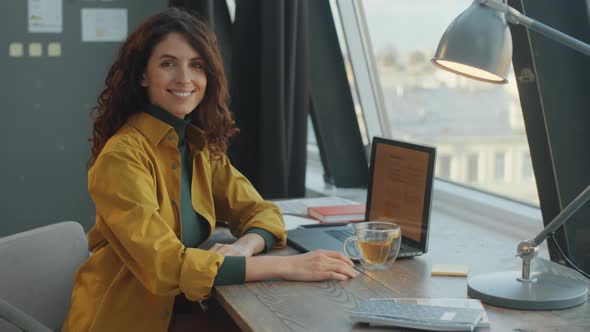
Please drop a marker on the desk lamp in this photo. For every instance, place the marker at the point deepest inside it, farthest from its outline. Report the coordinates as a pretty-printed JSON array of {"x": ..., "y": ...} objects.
[{"x": 478, "y": 45}]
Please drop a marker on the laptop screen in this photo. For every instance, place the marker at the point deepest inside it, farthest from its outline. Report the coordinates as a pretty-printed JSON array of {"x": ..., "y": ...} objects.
[{"x": 400, "y": 187}]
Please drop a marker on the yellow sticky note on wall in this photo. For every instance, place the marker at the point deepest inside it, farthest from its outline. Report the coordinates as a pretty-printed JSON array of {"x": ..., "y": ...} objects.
[
  {"x": 15, "y": 50},
  {"x": 54, "y": 49},
  {"x": 453, "y": 270},
  {"x": 35, "y": 49}
]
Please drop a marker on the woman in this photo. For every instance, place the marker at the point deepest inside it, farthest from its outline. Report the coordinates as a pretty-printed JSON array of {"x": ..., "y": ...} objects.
[{"x": 159, "y": 178}]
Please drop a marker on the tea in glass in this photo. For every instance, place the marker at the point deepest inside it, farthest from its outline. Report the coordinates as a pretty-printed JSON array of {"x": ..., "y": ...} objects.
[{"x": 376, "y": 243}]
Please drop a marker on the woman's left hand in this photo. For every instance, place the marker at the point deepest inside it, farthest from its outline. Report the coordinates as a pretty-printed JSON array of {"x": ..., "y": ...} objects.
[{"x": 232, "y": 249}]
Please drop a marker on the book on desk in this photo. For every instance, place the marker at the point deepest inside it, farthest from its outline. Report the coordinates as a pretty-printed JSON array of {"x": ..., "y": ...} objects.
[{"x": 338, "y": 213}]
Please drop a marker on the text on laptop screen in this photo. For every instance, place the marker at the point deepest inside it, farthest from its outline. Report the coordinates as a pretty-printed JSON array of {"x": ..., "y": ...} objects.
[{"x": 398, "y": 187}]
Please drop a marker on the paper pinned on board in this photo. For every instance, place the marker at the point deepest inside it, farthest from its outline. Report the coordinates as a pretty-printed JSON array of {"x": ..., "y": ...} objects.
[
  {"x": 104, "y": 24},
  {"x": 45, "y": 16}
]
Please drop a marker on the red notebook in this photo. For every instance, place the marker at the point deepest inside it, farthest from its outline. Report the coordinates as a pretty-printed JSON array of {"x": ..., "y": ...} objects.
[{"x": 338, "y": 213}]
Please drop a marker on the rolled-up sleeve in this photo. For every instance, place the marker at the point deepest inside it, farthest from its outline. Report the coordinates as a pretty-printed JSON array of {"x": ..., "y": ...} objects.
[
  {"x": 269, "y": 239},
  {"x": 123, "y": 188},
  {"x": 232, "y": 271},
  {"x": 238, "y": 203}
]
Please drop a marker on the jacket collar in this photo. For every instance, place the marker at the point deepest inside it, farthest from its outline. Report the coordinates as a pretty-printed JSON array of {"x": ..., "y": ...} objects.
[
  {"x": 179, "y": 125},
  {"x": 156, "y": 130}
]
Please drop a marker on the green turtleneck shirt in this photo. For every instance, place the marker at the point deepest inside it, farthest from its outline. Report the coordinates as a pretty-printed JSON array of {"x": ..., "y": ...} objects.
[{"x": 194, "y": 229}]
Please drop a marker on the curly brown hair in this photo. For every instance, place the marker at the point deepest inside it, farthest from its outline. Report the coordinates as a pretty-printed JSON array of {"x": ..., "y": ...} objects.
[{"x": 124, "y": 95}]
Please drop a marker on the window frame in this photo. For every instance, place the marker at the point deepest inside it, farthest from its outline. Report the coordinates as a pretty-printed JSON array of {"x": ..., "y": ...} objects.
[{"x": 363, "y": 66}]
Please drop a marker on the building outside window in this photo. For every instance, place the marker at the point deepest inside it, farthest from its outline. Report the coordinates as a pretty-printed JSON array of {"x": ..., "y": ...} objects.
[
  {"x": 500, "y": 166},
  {"x": 444, "y": 167},
  {"x": 472, "y": 167}
]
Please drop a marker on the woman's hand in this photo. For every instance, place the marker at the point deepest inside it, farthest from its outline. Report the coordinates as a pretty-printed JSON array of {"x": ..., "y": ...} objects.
[{"x": 317, "y": 265}]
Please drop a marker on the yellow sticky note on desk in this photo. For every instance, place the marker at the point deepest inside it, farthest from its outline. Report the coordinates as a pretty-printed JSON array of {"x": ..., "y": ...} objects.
[{"x": 452, "y": 270}]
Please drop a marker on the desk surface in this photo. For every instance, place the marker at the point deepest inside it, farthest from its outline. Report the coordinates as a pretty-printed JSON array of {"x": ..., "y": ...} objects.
[{"x": 325, "y": 306}]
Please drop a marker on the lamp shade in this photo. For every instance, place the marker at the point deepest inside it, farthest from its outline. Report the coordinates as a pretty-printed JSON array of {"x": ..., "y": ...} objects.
[{"x": 477, "y": 45}]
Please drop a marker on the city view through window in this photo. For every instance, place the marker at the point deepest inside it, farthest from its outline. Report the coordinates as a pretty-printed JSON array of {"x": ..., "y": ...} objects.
[{"x": 477, "y": 127}]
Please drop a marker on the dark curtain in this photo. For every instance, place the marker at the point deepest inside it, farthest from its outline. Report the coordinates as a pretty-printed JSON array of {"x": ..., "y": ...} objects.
[
  {"x": 270, "y": 94},
  {"x": 266, "y": 58}
]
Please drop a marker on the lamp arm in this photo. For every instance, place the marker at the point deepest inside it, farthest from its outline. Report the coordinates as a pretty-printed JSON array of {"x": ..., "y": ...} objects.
[
  {"x": 527, "y": 250},
  {"x": 516, "y": 17},
  {"x": 563, "y": 216}
]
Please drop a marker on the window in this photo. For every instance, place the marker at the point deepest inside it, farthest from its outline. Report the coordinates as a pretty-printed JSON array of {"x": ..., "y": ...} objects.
[
  {"x": 444, "y": 167},
  {"x": 472, "y": 167},
  {"x": 500, "y": 166},
  {"x": 425, "y": 104},
  {"x": 231, "y": 8}
]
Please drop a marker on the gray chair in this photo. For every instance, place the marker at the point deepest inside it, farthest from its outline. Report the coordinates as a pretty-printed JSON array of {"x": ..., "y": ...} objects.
[{"x": 37, "y": 269}]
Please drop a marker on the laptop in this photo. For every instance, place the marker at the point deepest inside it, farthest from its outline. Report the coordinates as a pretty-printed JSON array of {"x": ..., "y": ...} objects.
[{"x": 400, "y": 190}]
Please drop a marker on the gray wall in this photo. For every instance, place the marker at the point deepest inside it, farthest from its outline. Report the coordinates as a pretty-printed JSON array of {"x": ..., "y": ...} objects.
[{"x": 45, "y": 123}]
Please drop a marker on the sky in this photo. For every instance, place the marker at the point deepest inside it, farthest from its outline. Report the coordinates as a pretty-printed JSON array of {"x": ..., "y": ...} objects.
[{"x": 410, "y": 24}]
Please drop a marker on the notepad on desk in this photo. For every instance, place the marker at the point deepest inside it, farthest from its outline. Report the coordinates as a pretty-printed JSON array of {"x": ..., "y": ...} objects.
[
  {"x": 450, "y": 270},
  {"x": 338, "y": 213}
]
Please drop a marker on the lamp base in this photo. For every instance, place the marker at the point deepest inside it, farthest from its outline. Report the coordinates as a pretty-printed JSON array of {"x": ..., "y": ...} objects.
[{"x": 545, "y": 291}]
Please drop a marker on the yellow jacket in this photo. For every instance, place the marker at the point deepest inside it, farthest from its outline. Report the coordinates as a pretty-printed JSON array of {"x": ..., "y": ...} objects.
[{"x": 138, "y": 263}]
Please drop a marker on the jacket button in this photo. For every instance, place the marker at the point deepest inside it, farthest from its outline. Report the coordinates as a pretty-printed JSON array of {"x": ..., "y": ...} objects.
[
  {"x": 174, "y": 165},
  {"x": 171, "y": 137},
  {"x": 173, "y": 201},
  {"x": 165, "y": 314}
]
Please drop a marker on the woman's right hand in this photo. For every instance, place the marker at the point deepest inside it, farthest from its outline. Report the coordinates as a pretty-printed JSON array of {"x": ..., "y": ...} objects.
[{"x": 317, "y": 265}]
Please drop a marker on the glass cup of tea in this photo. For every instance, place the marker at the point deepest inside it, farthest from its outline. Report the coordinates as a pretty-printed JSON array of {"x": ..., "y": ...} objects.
[{"x": 376, "y": 244}]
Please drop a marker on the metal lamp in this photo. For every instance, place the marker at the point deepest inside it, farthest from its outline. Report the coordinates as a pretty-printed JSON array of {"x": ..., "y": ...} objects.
[{"x": 478, "y": 45}]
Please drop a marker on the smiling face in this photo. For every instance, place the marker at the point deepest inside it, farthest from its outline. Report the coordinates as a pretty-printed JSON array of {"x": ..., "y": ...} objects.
[{"x": 175, "y": 77}]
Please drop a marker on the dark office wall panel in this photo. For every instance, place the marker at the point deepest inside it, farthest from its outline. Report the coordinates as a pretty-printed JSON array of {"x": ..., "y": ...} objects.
[
  {"x": 45, "y": 114},
  {"x": 553, "y": 81}
]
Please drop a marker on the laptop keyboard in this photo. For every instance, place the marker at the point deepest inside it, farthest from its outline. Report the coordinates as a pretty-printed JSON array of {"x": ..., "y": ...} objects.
[
  {"x": 406, "y": 248},
  {"x": 343, "y": 234},
  {"x": 340, "y": 234}
]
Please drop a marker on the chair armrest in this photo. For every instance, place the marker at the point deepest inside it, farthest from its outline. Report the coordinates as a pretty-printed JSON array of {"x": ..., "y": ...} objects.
[{"x": 19, "y": 319}]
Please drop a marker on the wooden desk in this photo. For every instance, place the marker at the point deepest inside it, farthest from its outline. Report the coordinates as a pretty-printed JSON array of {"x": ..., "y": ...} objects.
[{"x": 324, "y": 306}]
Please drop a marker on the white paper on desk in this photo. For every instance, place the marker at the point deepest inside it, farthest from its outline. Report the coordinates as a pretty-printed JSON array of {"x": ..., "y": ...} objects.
[{"x": 292, "y": 222}]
